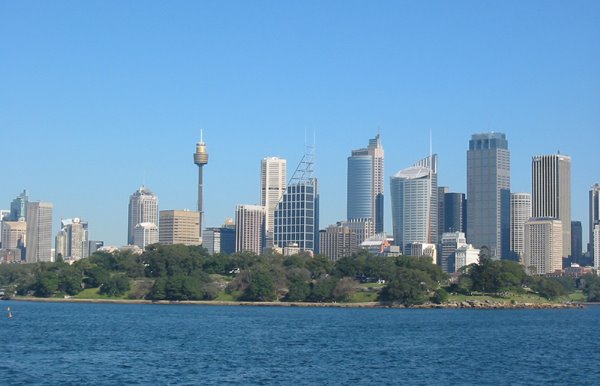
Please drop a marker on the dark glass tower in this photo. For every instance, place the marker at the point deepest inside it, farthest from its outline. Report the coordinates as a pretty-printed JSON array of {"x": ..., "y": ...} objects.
[{"x": 488, "y": 193}]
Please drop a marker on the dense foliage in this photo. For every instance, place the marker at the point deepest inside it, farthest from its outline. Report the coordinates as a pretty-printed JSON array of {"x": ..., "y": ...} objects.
[{"x": 178, "y": 272}]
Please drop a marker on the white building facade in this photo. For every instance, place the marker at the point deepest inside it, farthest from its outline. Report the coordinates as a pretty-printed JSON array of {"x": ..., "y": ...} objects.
[
  {"x": 543, "y": 245},
  {"x": 520, "y": 213}
]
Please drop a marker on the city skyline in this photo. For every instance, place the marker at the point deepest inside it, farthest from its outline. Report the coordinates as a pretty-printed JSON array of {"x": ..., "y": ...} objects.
[{"x": 127, "y": 112}]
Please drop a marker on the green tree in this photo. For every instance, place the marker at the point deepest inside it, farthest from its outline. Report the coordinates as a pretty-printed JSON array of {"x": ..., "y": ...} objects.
[
  {"x": 440, "y": 296},
  {"x": 591, "y": 287},
  {"x": 549, "y": 288},
  {"x": 46, "y": 284},
  {"x": 69, "y": 279},
  {"x": 344, "y": 289},
  {"x": 116, "y": 285},
  {"x": 322, "y": 289},
  {"x": 261, "y": 287},
  {"x": 298, "y": 284},
  {"x": 408, "y": 286}
]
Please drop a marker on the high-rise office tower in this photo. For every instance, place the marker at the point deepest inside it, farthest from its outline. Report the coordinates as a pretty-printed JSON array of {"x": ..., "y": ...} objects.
[
  {"x": 18, "y": 207},
  {"x": 93, "y": 246},
  {"x": 219, "y": 240},
  {"x": 249, "y": 228},
  {"x": 144, "y": 234},
  {"x": 594, "y": 215},
  {"x": 39, "y": 232},
  {"x": 451, "y": 241},
  {"x": 441, "y": 207},
  {"x": 14, "y": 234},
  {"x": 178, "y": 227},
  {"x": 488, "y": 193},
  {"x": 362, "y": 227},
  {"x": 143, "y": 208},
  {"x": 414, "y": 204},
  {"x": 596, "y": 239},
  {"x": 272, "y": 188},
  {"x": 520, "y": 212},
  {"x": 551, "y": 192},
  {"x": 297, "y": 214},
  {"x": 337, "y": 241},
  {"x": 200, "y": 159},
  {"x": 365, "y": 187},
  {"x": 72, "y": 239},
  {"x": 455, "y": 212},
  {"x": 576, "y": 241},
  {"x": 543, "y": 245}
]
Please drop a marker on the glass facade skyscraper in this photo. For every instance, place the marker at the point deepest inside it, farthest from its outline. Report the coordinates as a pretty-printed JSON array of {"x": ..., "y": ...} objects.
[
  {"x": 365, "y": 188},
  {"x": 488, "y": 193},
  {"x": 296, "y": 219},
  {"x": 297, "y": 216},
  {"x": 414, "y": 201},
  {"x": 18, "y": 207}
]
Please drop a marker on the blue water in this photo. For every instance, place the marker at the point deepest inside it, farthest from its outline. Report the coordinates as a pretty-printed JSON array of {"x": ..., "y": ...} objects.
[{"x": 73, "y": 343}]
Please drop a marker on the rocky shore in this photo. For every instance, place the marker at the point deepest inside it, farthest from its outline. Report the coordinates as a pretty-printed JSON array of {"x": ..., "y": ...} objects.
[{"x": 467, "y": 304}]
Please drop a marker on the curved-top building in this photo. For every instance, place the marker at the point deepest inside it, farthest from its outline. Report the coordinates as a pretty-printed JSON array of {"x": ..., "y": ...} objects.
[{"x": 412, "y": 205}]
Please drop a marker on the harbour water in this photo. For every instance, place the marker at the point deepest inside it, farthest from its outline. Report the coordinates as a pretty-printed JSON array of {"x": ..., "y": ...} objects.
[{"x": 75, "y": 343}]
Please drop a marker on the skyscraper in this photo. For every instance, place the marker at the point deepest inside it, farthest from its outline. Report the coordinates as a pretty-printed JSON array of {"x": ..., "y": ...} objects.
[
  {"x": 455, "y": 212},
  {"x": 365, "y": 184},
  {"x": 219, "y": 240},
  {"x": 451, "y": 241},
  {"x": 39, "y": 232},
  {"x": 576, "y": 241},
  {"x": 249, "y": 228},
  {"x": 72, "y": 239},
  {"x": 594, "y": 215},
  {"x": 337, "y": 241},
  {"x": 297, "y": 214},
  {"x": 543, "y": 245},
  {"x": 143, "y": 208},
  {"x": 200, "y": 159},
  {"x": 596, "y": 239},
  {"x": 414, "y": 204},
  {"x": 551, "y": 192},
  {"x": 441, "y": 207},
  {"x": 362, "y": 227},
  {"x": 14, "y": 234},
  {"x": 488, "y": 193},
  {"x": 178, "y": 227},
  {"x": 520, "y": 212},
  {"x": 272, "y": 188},
  {"x": 144, "y": 234},
  {"x": 18, "y": 207}
]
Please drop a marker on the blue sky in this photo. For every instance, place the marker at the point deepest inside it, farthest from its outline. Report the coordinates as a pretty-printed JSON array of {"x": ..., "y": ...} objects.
[{"x": 98, "y": 97}]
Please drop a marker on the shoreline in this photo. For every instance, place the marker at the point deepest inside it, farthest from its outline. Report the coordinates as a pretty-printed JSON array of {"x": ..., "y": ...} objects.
[{"x": 468, "y": 304}]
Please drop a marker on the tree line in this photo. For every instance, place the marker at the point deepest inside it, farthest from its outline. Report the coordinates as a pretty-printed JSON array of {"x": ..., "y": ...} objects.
[{"x": 178, "y": 272}]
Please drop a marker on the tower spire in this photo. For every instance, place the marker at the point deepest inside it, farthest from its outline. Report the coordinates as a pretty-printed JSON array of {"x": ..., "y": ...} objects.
[{"x": 200, "y": 159}]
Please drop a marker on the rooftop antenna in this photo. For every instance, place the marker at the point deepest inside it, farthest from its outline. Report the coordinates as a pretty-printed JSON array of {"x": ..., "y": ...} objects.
[
  {"x": 201, "y": 136},
  {"x": 430, "y": 143}
]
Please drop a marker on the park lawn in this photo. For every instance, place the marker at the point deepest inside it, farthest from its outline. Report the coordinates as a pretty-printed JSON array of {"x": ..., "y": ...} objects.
[
  {"x": 92, "y": 293},
  {"x": 577, "y": 296},
  {"x": 364, "y": 297},
  {"x": 224, "y": 296}
]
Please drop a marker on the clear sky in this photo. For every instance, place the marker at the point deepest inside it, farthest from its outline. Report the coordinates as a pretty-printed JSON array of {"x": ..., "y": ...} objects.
[{"x": 99, "y": 97}]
